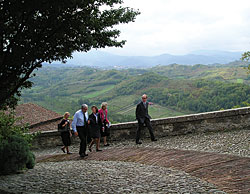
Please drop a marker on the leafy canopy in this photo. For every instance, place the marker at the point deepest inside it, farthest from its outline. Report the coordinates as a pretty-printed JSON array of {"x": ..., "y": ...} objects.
[
  {"x": 37, "y": 31},
  {"x": 246, "y": 57}
]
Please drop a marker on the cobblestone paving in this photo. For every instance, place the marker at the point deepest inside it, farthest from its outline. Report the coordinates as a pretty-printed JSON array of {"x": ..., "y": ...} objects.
[
  {"x": 231, "y": 142},
  {"x": 91, "y": 176},
  {"x": 103, "y": 177},
  {"x": 228, "y": 172}
]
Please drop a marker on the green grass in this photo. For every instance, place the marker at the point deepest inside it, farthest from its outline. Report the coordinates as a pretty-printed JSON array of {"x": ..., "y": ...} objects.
[
  {"x": 124, "y": 105},
  {"x": 155, "y": 111},
  {"x": 98, "y": 93},
  {"x": 240, "y": 81},
  {"x": 158, "y": 111}
]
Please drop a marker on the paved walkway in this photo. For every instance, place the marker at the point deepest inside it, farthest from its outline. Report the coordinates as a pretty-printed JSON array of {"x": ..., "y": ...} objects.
[
  {"x": 229, "y": 173},
  {"x": 195, "y": 163},
  {"x": 89, "y": 176}
]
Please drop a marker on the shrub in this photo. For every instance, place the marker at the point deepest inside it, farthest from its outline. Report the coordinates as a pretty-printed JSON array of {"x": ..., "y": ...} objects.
[
  {"x": 15, "y": 153},
  {"x": 30, "y": 160}
]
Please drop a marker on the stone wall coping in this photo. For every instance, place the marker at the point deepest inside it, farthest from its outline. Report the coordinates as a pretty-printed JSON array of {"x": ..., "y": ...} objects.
[
  {"x": 190, "y": 117},
  {"x": 45, "y": 122},
  {"x": 47, "y": 133},
  {"x": 176, "y": 119}
]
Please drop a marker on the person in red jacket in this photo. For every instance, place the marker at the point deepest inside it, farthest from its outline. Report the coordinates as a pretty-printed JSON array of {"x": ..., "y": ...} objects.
[{"x": 105, "y": 132}]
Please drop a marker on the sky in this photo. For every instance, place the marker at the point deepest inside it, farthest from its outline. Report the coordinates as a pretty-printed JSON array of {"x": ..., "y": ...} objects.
[{"x": 183, "y": 26}]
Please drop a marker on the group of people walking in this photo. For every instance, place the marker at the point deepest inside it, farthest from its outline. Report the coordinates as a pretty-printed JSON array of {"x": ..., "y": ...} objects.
[{"x": 90, "y": 128}]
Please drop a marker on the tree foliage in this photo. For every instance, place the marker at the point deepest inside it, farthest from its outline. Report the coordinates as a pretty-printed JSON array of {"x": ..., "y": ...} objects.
[
  {"x": 15, "y": 145},
  {"x": 204, "y": 96},
  {"x": 246, "y": 57},
  {"x": 37, "y": 31}
]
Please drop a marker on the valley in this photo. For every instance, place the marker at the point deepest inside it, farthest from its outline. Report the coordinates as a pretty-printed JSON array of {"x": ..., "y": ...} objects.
[{"x": 174, "y": 89}]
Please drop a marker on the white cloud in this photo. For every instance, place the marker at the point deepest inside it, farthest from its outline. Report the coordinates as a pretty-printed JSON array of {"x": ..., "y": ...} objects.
[{"x": 181, "y": 26}]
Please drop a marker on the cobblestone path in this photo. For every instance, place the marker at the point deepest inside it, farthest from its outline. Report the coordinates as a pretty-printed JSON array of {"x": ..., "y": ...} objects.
[
  {"x": 228, "y": 172},
  {"x": 195, "y": 163},
  {"x": 86, "y": 176}
]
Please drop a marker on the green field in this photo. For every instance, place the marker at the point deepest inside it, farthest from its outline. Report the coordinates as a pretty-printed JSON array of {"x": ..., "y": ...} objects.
[
  {"x": 240, "y": 81},
  {"x": 99, "y": 92}
]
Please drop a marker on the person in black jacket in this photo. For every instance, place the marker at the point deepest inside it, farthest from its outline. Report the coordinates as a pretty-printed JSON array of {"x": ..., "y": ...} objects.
[
  {"x": 95, "y": 125},
  {"x": 66, "y": 134},
  {"x": 142, "y": 117}
]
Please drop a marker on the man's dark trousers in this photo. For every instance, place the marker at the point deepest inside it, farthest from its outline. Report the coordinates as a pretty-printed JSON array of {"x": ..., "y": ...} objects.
[
  {"x": 140, "y": 127},
  {"x": 82, "y": 133}
]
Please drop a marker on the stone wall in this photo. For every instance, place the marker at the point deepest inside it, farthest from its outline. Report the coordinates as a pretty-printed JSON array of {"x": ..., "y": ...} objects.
[{"x": 232, "y": 119}]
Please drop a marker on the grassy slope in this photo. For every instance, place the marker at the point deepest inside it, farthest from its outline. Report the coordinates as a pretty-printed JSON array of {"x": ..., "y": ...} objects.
[{"x": 124, "y": 105}]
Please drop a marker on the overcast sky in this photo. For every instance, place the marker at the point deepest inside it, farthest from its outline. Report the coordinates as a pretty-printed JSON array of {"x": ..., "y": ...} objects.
[{"x": 182, "y": 26}]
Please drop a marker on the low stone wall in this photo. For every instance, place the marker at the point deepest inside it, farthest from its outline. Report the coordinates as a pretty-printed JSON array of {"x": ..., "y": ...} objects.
[
  {"x": 232, "y": 119},
  {"x": 50, "y": 139}
]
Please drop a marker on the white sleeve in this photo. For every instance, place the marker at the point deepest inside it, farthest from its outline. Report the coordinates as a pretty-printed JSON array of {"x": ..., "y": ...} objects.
[{"x": 74, "y": 122}]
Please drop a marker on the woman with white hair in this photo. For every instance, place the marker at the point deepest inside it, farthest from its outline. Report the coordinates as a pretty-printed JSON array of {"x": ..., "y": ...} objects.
[{"x": 105, "y": 122}]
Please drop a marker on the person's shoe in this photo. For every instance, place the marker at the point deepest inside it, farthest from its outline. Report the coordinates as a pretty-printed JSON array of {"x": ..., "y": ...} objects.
[
  {"x": 138, "y": 142},
  {"x": 106, "y": 145},
  {"x": 69, "y": 153},
  {"x": 98, "y": 150},
  {"x": 85, "y": 154},
  {"x": 63, "y": 149},
  {"x": 154, "y": 139},
  {"x": 82, "y": 155}
]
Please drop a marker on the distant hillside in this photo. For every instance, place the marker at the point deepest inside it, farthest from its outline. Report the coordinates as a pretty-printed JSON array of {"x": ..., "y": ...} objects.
[
  {"x": 233, "y": 72},
  {"x": 107, "y": 60},
  {"x": 175, "y": 89}
]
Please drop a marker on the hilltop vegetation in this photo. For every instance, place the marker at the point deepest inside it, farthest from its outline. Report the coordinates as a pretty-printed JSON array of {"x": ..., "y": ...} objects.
[
  {"x": 233, "y": 72},
  {"x": 174, "y": 90}
]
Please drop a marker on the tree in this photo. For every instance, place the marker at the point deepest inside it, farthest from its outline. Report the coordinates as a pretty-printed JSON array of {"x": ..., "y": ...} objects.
[
  {"x": 37, "y": 31},
  {"x": 246, "y": 57}
]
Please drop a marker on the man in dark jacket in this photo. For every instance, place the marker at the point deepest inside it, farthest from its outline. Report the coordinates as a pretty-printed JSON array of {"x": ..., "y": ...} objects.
[{"x": 142, "y": 117}]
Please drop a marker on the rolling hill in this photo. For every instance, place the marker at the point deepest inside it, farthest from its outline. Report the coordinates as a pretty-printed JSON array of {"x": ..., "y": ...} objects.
[
  {"x": 106, "y": 60},
  {"x": 174, "y": 90}
]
